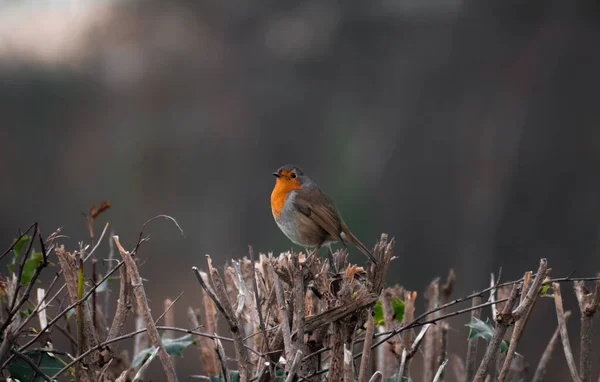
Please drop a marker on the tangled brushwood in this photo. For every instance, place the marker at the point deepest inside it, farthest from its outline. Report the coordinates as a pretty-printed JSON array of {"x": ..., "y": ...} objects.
[{"x": 290, "y": 317}]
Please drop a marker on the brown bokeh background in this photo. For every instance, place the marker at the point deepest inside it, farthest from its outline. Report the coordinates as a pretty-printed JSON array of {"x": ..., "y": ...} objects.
[{"x": 468, "y": 130}]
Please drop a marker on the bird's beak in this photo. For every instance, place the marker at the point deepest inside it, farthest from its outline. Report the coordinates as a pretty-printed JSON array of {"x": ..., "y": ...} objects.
[{"x": 277, "y": 175}]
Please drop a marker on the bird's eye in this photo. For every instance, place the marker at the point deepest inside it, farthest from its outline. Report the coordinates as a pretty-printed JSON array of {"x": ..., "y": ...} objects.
[{"x": 293, "y": 175}]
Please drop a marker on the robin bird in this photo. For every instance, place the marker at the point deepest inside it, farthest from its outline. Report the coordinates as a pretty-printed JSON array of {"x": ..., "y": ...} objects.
[{"x": 306, "y": 215}]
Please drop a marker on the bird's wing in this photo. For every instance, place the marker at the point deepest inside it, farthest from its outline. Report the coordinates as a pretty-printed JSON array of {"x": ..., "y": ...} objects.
[{"x": 315, "y": 205}]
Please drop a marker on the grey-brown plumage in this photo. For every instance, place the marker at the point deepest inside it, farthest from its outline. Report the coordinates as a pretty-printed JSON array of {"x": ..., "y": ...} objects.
[{"x": 306, "y": 215}]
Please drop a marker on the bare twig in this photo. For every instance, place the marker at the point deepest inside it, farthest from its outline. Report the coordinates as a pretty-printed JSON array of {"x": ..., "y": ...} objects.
[
  {"x": 17, "y": 240},
  {"x": 533, "y": 292},
  {"x": 63, "y": 312},
  {"x": 284, "y": 317},
  {"x": 503, "y": 321},
  {"x": 443, "y": 359},
  {"x": 242, "y": 292},
  {"x": 339, "y": 312},
  {"x": 294, "y": 367},
  {"x": 139, "y": 375},
  {"x": 133, "y": 334},
  {"x": 493, "y": 286},
  {"x": 123, "y": 305},
  {"x": 440, "y": 372},
  {"x": 168, "y": 313},
  {"x": 430, "y": 358},
  {"x": 258, "y": 307},
  {"x": 540, "y": 371},
  {"x": 235, "y": 326},
  {"x": 140, "y": 295},
  {"x": 366, "y": 358},
  {"x": 521, "y": 314},
  {"x": 298, "y": 319},
  {"x": 415, "y": 323},
  {"x": 111, "y": 256},
  {"x": 472, "y": 345},
  {"x": 71, "y": 265},
  {"x": 406, "y": 353},
  {"x": 562, "y": 325},
  {"x": 377, "y": 377},
  {"x": 588, "y": 304},
  {"x": 221, "y": 354}
]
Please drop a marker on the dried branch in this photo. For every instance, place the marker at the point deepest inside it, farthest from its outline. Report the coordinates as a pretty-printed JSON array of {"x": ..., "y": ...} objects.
[
  {"x": 533, "y": 292},
  {"x": 140, "y": 295},
  {"x": 440, "y": 372},
  {"x": 339, "y": 312},
  {"x": 503, "y": 321},
  {"x": 123, "y": 305},
  {"x": 588, "y": 304},
  {"x": 34, "y": 225},
  {"x": 86, "y": 333},
  {"x": 294, "y": 367},
  {"x": 221, "y": 354},
  {"x": 562, "y": 325},
  {"x": 242, "y": 292},
  {"x": 284, "y": 317},
  {"x": 208, "y": 357},
  {"x": 443, "y": 359},
  {"x": 409, "y": 353},
  {"x": 521, "y": 314},
  {"x": 472, "y": 345},
  {"x": 430, "y": 357},
  {"x": 348, "y": 363},
  {"x": 416, "y": 323},
  {"x": 136, "y": 333},
  {"x": 540, "y": 371},
  {"x": 366, "y": 358},
  {"x": 298, "y": 319},
  {"x": 377, "y": 377},
  {"x": 259, "y": 309},
  {"x": 219, "y": 297},
  {"x": 140, "y": 374}
]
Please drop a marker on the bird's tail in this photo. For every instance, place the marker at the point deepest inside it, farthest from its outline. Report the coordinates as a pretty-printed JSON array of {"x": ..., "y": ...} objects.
[{"x": 348, "y": 235}]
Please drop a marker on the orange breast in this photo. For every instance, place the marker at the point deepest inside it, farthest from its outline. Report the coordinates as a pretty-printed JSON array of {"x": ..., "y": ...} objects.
[{"x": 280, "y": 191}]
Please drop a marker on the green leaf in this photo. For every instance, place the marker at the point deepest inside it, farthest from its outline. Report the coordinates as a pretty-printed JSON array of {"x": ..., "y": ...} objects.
[
  {"x": 234, "y": 376},
  {"x": 544, "y": 288},
  {"x": 173, "y": 346},
  {"x": 485, "y": 330},
  {"x": 378, "y": 314},
  {"x": 20, "y": 244},
  {"x": 25, "y": 313},
  {"x": 398, "y": 307},
  {"x": 48, "y": 362},
  {"x": 480, "y": 329},
  {"x": 30, "y": 265},
  {"x": 17, "y": 248}
]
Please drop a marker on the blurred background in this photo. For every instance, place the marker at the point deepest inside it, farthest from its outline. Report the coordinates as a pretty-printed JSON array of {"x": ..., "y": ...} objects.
[{"x": 468, "y": 130}]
